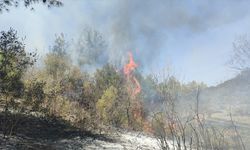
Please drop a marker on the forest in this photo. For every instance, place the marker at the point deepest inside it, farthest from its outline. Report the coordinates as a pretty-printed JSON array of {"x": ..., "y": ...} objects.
[{"x": 74, "y": 90}]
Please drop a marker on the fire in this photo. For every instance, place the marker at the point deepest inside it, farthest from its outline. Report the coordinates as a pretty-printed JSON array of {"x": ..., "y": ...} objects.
[
  {"x": 128, "y": 70},
  {"x": 138, "y": 86}
]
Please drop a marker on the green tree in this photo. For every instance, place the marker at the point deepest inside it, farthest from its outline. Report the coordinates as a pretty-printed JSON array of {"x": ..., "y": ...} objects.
[
  {"x": 34, "y": 94},
  {"x": 13, "y": 63},
  {"x": 57, "y": 62},
  {"x": 105, "y": 77},
  {"x": 105, "y": 103}
]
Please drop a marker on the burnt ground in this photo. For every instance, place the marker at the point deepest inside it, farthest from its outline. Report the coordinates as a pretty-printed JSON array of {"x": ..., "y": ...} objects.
[{"x": 38, "y": 133}]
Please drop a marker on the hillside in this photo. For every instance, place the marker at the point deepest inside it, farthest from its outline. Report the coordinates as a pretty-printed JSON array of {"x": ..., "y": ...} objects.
[{"x": 231, "y": 95}]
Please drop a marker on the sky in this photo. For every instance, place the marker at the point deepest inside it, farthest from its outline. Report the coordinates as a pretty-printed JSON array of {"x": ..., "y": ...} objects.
[{"x": 193, "y": 37}]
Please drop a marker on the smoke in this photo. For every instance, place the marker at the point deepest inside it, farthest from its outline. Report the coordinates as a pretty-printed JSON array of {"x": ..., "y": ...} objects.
[{"x": 143, "y": 27}]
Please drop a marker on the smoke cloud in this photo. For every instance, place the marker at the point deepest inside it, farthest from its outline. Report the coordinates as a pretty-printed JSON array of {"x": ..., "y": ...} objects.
[{"x": 143, "y": 27}]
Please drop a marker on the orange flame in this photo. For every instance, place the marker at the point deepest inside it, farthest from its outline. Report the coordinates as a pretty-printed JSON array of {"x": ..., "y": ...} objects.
[
  {"x": 138, "y": 86},
  {"x": 128, "y": 69}
]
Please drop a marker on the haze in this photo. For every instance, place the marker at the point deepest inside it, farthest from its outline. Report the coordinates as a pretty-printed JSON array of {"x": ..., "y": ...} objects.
[{"x": 194, "y": 38}]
